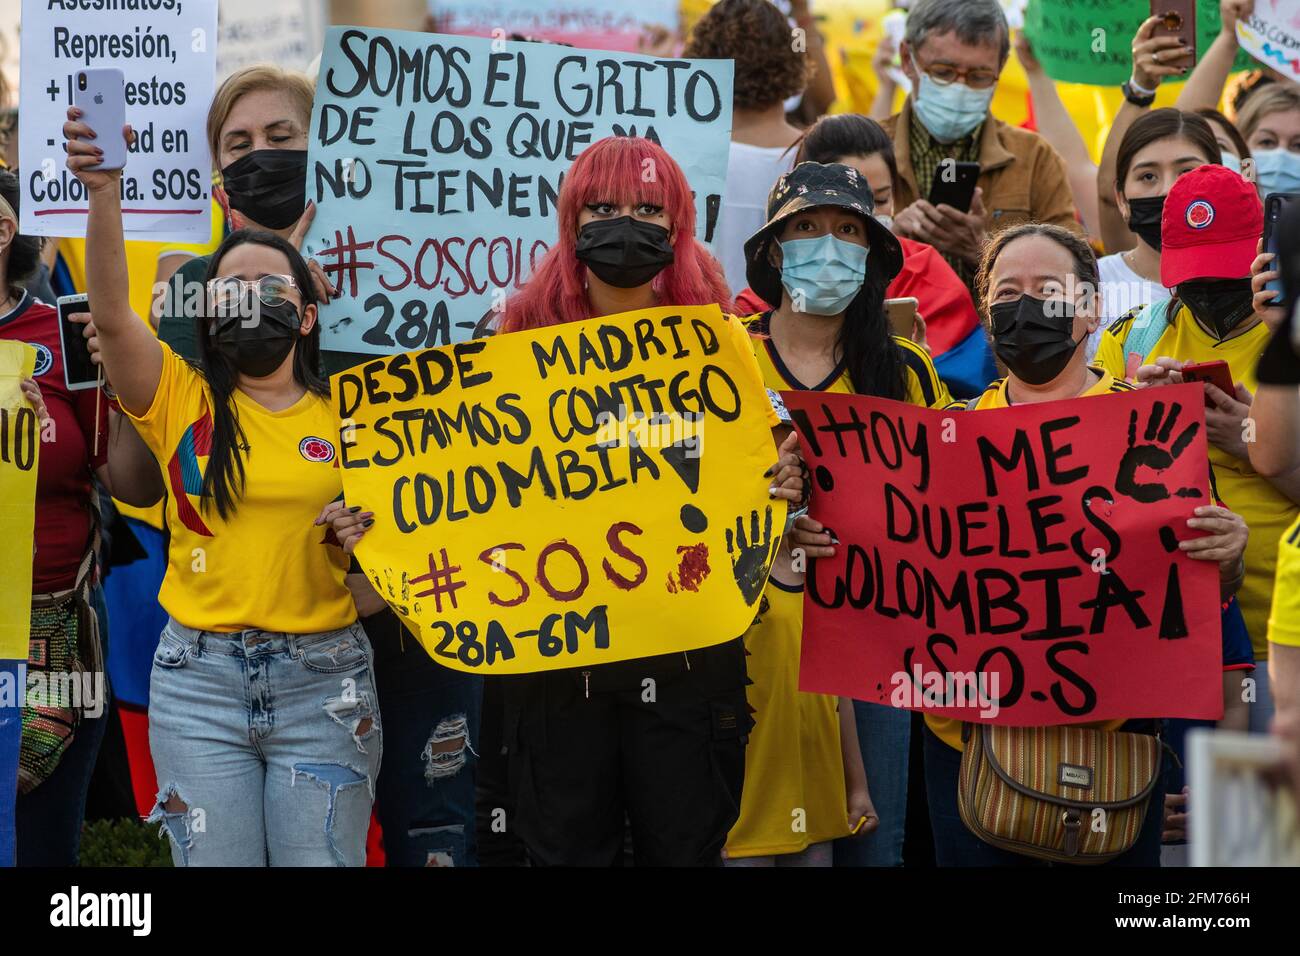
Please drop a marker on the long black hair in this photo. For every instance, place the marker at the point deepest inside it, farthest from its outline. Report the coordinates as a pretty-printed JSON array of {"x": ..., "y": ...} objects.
[
  {"x": 24, "y": 251},
  {"x": 223, "y": 479}
]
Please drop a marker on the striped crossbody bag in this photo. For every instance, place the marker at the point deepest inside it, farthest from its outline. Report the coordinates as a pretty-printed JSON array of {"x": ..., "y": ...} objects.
[{"x": 1065, "y": 794}]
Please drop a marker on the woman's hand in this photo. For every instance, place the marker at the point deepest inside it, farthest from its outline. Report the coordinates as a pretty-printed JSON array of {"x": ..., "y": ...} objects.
[
  {"x": 1155, "y": 57},
  {"x": 789, "y": 475},
  {"x": 812, "y": 537},
  {"x": 83, "y": 153},
  {"x": 324, "y": 290},
  {"x": 918, "y": 333},
  {"x": 32, "y": 392},
  {"x": 1165, "y": 371},
  {"x": 1025, "y": 54},
  {"x": 1224, "y": 540},
  {"x": 862, "y": 812},
  {"x": 1230, "y": 11},
  {"x": 348, "y": 524},
  {"x": 1225, "y": 422},
  {"x": 1175, "y": 825},
  {"x": 1265, "y": 299}
]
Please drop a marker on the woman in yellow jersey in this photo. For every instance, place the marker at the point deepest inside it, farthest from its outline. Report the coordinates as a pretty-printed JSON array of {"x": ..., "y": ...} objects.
[
  {"x": 826, "y": 259},
  {"x": 263, "y": 728},
  {"x": 1275, "y": 451},
  {"x": 1037, "y": 286},
  {"x": 1210, "y": 232}
]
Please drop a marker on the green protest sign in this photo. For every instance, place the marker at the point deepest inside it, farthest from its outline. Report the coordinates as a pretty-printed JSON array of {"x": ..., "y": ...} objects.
[{"x": 1090, "y": 41}]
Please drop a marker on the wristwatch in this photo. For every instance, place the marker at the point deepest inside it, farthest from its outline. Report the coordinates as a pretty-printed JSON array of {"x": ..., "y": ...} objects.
[{"x": 1137, "y": 95}]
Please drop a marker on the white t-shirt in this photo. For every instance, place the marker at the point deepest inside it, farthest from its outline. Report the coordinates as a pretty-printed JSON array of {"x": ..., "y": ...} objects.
[
  {"x": 752, "y": 171},
  {"x": 1122, "y": 290}
]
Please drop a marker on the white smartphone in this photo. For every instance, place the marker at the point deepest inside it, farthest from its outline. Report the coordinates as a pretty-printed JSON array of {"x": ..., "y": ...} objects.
[{"x": 101, "y": 97}]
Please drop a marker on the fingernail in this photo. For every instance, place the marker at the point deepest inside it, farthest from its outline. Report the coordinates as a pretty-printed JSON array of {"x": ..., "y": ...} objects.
[
  {"x": 772, "y": 491},
  {"x": 368, "y": 522},
  {"x": 355, "y": 508},
  {"x": 835, "y": 540},
  {"x": 768, "y": 473}
]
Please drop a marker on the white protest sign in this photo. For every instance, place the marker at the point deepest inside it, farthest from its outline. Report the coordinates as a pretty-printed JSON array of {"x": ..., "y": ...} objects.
[
  {"x": 594, "y": 24},
  {"x": 1272, "y": 35},
  {"x": 166, "y": 50},
  {"x": 287, "y": 33},
  {"x": 1239, "y": 817},
  {"x": 435, "y": 163}
]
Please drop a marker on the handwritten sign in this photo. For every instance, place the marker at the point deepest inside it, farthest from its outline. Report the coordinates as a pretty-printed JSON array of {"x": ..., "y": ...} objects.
[
  {"x": 1027, "y": 554},
  {"x": 1090, "y": 41},
  {"x": 593, "y": 24},
  {"x": 20, "y": 445},
  {"x": 587, "y": 493},
  {"x": 1240, "y": 815},
  {"x": 167, "y": 54},
  {"x": 435, "y": 163},
  {"x": 287, "y": 33},
  {"x": 1272, "y": 36}
]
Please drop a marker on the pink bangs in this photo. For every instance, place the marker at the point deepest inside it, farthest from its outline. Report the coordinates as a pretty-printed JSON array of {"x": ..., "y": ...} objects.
[{"x": 621, "y": 170}]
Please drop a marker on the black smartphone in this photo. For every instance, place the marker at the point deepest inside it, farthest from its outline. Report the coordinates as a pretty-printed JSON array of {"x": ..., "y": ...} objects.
[
  {"x": 1275, "y": 206},
  {"x": 79, "y": 371},
  {"x": 954, "y": 184}
]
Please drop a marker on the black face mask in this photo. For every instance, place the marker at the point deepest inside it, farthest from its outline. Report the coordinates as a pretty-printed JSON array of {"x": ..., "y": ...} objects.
[
  {"x": 257, "y": 349},
  {"x": 269, "y": 186},
  {"x": 1144, "y": 219},
  {"x": 624, "y": 252},
  {"x": 1219, "y": 304},
  {"x": 1033, "y": 337}
]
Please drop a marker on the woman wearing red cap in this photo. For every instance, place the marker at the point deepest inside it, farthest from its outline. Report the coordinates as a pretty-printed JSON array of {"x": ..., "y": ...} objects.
[{"x": 1210, "y": 231}]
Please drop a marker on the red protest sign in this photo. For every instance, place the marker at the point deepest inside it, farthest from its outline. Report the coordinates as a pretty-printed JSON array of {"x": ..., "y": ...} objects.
[{"x": 1024, "y": 557}]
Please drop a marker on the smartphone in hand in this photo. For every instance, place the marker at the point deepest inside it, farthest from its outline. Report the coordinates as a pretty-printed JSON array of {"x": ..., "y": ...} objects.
[
  {"x": 954, "y": 184},
  {"x": 79, "y": 372},
  {"x": 1178, "y": 18},
  {"x": 1216, "y": 373},
  {"x": 902, "y": 315},
  {"x": 101, "y": 97}
]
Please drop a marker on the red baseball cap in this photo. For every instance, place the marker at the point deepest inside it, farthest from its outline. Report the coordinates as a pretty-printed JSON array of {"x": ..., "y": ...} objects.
[{"x": 1212, "y": 221}]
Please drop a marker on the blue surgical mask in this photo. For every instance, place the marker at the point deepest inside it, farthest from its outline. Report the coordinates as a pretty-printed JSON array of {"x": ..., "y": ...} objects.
[
  {"x": 1277, "y": 171},
  {"x": 950, "y": 111},
  {"x": 1231, "y": 161},
  {"x": 822, "y": 275}
]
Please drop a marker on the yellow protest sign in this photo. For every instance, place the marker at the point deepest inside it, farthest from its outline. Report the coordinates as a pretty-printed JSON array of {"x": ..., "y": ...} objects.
[
  {"x": 20, "y": 441},
  {"x": 582, "y": 494}
]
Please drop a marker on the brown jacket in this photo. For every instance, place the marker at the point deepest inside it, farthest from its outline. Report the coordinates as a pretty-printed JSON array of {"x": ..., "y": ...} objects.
[{"x": 1022, "y": 176}]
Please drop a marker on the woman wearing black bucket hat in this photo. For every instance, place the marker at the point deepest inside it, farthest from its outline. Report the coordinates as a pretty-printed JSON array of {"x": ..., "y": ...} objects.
[{"x": 827, "y": 261}]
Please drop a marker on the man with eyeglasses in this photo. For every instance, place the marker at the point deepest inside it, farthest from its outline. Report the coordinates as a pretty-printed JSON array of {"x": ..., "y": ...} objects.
[{"x": 953, "y": 52}]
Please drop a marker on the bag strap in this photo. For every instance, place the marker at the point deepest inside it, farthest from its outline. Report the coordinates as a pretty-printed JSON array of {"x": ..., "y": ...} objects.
[{"x": 1146, "y": 329}]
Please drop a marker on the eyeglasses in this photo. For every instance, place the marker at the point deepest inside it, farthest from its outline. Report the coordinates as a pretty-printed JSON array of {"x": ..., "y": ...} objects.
[
  {"x": 226, "y": 291},
  {"x": 943, "y": 74}
]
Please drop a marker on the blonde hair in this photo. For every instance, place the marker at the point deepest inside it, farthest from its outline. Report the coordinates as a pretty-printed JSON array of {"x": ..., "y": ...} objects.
[
  {"x": 1273, "y": 98},
  {"x": 263, "y": 76}
]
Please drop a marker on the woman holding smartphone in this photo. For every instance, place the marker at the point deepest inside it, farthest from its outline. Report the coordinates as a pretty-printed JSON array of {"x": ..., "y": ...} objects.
[{"x": 263, "y": 725}]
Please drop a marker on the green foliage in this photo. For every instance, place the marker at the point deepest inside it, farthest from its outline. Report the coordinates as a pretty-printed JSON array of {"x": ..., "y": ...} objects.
[{"x": 125, "y": 842}]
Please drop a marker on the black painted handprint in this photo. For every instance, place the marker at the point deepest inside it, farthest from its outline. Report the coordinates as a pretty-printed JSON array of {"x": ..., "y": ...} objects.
[
  {"x": 1154, "y": 455},
  {"x": 750, "y": 559}
]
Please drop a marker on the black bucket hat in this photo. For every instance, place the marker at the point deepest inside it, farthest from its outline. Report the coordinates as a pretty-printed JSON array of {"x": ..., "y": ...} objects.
[{"x": 811, "y": 186}]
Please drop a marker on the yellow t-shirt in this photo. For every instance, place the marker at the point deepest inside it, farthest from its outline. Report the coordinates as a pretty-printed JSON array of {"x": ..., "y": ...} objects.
[
  {"x": 948, "y": 729},
  {"x": 1267, "y": 511},
  {"x": 1284, "y": 624},
  {"x": 924, "y": 387},
  {"x": 266, "y": 567},
  {"x": 793, "y": 760},
  {"x": 794, "y": 772}
]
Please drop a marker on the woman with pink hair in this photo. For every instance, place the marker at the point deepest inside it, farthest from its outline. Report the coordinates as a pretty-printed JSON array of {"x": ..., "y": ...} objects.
[
  {"x": 626, "y": 241},
  {"x": 590, "y": 751}
]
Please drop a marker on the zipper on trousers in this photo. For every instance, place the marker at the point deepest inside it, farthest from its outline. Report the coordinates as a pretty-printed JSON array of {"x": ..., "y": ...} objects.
[{"x": 586, "y": 684}]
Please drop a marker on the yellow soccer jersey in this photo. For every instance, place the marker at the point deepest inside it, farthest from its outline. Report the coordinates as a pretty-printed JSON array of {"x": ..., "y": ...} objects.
[
  {"x": 924, "y": 387},
  {"x": 794, "y": 772},
  {"x": 1268, "y": 512},
  {"x": 1284, "y": 624},
  {"x": 266, "y": 566}
]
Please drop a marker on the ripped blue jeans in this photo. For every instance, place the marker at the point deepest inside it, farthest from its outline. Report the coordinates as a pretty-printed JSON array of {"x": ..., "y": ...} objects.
[{"x": 266, "y": 746}]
